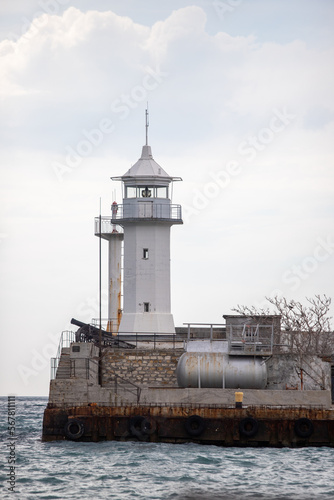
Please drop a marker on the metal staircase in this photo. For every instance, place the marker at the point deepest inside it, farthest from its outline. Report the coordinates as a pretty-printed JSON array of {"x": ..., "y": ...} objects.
[{"x": 63, "y": 367}]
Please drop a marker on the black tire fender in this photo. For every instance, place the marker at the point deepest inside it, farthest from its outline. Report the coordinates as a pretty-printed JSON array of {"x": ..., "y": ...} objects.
[
  {"x": 74, "y": 429},
  {"x": 195, "y": 425},
  {"x": 304, "y": 427},
  {"x": 141, "y": 426},
  {"x": 248, "y": 427}
]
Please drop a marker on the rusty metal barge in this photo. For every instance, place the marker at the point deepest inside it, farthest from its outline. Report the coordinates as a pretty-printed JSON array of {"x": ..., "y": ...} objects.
[{"x": 134, "y": 376}]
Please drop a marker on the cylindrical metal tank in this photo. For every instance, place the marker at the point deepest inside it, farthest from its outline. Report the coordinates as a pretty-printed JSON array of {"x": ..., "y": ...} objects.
[{"x": 219, "y": 370}]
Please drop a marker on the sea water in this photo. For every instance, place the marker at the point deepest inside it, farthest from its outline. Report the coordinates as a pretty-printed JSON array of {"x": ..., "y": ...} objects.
[{"x": 137, "y": 470}]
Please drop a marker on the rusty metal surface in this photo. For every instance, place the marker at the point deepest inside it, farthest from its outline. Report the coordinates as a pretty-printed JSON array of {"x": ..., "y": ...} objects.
[{"x": 220, "y": 426}]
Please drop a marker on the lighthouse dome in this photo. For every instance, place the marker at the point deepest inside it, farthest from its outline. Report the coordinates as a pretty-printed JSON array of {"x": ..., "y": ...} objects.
[{"x": 146, "y": 166}]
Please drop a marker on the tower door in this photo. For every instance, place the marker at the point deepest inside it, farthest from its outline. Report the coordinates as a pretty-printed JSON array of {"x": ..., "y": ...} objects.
[{"x": 145, "y": 209}]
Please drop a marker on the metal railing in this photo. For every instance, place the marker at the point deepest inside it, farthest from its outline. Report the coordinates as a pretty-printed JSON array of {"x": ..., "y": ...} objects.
[
  {"x": 86, "y": 367},
  {"x": 135, "y": 389},
  {"x": 66, "y": 337},
  {"x": 54, "y": 367},
  {"x": 146, "y": 339},
  {"x": 250, "y": 339},
  {"x": 211, "y": 331},
  {"x": 153, "y": 340},
  {"x": 106, "y": 323},
  {"x": 107, "y": 227},
  {"x": 242, "y": 339},
  {"x": 140, "y": 210},
  {"x": 247, "y": 339}
]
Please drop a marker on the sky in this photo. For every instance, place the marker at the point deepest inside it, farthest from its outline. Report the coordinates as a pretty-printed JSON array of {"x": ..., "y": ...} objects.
[{"x": 241, "y": 103}]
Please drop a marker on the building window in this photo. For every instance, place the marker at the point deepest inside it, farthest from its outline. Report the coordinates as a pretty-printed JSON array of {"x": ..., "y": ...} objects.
[
  {"x": 131, "y": 192},
  {"x": 146, "y": 192},
  {"x": 161, "y": 192},
  {"x": 146, "y": 307},
  {"x": 145, "y": 253}
]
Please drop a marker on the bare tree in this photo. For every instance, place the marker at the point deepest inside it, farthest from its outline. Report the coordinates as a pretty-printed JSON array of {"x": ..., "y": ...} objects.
[{"x": 306, "y": 329}]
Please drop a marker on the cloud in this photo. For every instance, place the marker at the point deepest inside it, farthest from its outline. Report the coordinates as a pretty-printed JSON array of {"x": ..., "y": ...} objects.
[
  {"x": 61, "y": 78},
  {"x": 67, "y": 69},
  {"x": 66, "y": 76}
]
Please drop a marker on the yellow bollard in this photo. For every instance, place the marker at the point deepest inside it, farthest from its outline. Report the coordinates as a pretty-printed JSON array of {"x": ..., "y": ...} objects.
[{"x": 238, "y": 399}]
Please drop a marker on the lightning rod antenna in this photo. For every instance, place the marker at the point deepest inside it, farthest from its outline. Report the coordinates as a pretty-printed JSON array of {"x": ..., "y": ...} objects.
[{"x": 146, "y": 124}]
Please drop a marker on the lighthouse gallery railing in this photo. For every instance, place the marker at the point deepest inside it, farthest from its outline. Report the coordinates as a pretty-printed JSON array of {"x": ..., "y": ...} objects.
[{"x": 145, "y": 210}]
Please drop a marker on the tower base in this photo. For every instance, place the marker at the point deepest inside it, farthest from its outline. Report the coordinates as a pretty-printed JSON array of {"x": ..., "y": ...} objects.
[{"x": 147, "y": 323}]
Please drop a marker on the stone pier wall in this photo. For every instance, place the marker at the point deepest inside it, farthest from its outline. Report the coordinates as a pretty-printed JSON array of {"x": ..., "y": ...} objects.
[
  {"x": 142, "y": 366},
  {"x": 152, "y": 368}
]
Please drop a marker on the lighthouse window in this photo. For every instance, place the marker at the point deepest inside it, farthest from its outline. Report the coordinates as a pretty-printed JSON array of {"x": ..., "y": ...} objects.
[
  {"x": 146, "y": 192},
  {"x": 145, "y": 253},
  {"x": 162, "y": 192},
  {"x": 131, "y": 192},
  {"x": 146, "y": 307}
]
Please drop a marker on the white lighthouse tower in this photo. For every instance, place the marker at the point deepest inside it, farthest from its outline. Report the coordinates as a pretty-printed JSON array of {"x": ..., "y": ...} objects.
[{"x": 146, "y": 216}]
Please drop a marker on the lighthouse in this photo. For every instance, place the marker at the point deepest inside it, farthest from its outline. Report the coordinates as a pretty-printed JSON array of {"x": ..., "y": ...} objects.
[{"x": 146, "y": 217}]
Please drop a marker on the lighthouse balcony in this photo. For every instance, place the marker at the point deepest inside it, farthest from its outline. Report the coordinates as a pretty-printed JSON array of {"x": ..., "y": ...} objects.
[
  {"x": 142, "y": 211},
  {"x": 106, "y": 229}
]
